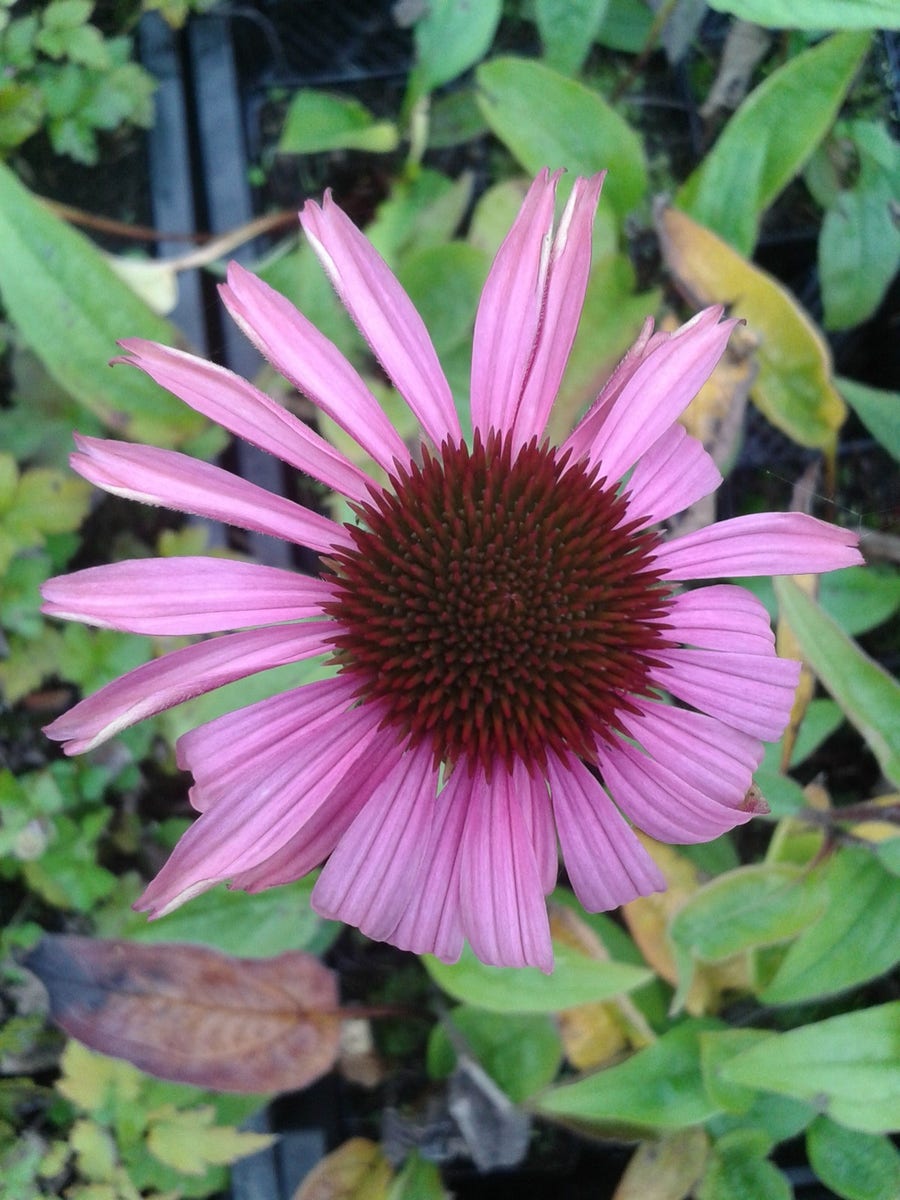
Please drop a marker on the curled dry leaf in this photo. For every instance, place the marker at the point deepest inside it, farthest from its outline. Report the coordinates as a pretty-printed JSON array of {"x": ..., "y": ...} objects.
[{"x": 193, "y": 1015}]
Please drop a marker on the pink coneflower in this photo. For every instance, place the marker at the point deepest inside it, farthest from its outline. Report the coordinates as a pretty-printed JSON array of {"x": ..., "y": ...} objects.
[{"x": 507, "y": 624}]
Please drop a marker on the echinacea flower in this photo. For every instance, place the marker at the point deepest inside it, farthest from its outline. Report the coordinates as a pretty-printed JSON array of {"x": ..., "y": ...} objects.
[{"x": 516, "y": 661}]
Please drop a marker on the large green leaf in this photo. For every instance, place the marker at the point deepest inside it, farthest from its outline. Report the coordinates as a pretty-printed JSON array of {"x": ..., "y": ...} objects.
[
  {"x": 451, "y": 37},
  {"x": 770, "y": 137},
  {"x": 547, "y": 120},
  {"x": 660, "y": 1087},
  {"x": 856, "y": 938},
  {"x": 866, "y": 693},
  {"x": 815, "y": 14},
  {"x": 520, "y": 1052},
  {"x": 576, "y": 979},
  {"x": 567, "y": 28},
  {"x": 845, "y": 1066},
  {"x": 858, "y": 1166},
  {"x": 71, "y": 308},
  {"x": 317, "y": 121}
]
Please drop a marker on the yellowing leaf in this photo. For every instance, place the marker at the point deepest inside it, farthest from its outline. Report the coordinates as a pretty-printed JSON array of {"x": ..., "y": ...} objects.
[
  {"x": 355, "y": 1171},
  {"x": 189, "y": 1141},
  {"x": 665, "y": 1169},
  {"x": 91, "y": 1080},
  {"x": 95, "y": 1151},
  {"x": 788, "y": 647},
  {"x": 794, "y": 388}
]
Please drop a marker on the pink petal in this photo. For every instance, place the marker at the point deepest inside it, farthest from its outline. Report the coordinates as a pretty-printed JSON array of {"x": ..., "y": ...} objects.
[
  {"x": 529, "y": 310},
  {"x": 252, "y": 822},
  {"x": 312, "y": 363},
  {"x": 589, "y": 426},
  {"x": 162, "y": 596},
  {"x": 657, "y": 800},
  {"x": 369, "y": 878},
  {"x": 188, "y": 485},
  {"x": 606, "y": 864},
  {"x": 538, "y": 814},
  {"x": 721, "y": 617},
  {"x": 321, "y": 833},
  {"x": 748, "y": 691},
  {"x": 431, "y": 923},
  {"x": 504, "y": 914},
  {"x": 673, "y": 474},
  {"x": 245, "y": 411},
  {"x": 180, "y": 675},
  {"x": 654, "y": 396},
  {"x": 385, "y": 315},
  {"x": 760, "y": 544}
]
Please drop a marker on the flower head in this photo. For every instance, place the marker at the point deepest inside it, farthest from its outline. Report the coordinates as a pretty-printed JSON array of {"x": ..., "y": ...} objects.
[{"x": 516, "y": 663}]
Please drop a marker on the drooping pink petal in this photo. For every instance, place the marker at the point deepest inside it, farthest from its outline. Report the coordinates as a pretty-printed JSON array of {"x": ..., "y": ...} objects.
[
  {"x": 707, "y": 753},
  {"x": 531, "y": 790},
  {"x": 431, "y": 923},
  {"x": 606, "y": 864},
  {"x": 722, "y": 617},
  {"x": 673, "y": 474},
  {"x": 177, "y": 481},
  {"x": 179, "y": 596},
  {"x": 659, "y": 801},
  {"x": 312, "y": 363},
  {"x": 318, "y": 836},
  {"x": 748, "y": 691},
  {"x": 181, "y": 675},
  {"x": 656, "y": 394},
  {"x": 239, "y": 747},
  {"x": 759, "y": 544},
  {"x": 385, "y": 315},
  {"x": 504, "y": 915},
  {"x": 588, "y": 427},
  {"x": 250, "y": 824},
  {"x": 369, "y": 878},
  {"x": 242, "y": 409}
]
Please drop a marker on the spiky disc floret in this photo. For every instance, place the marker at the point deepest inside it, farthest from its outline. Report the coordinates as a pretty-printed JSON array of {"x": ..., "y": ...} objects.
[{"x": 501, "y": 606}]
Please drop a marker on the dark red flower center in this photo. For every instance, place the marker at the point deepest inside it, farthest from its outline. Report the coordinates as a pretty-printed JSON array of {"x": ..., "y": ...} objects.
[{"x": 499, "y": 605}]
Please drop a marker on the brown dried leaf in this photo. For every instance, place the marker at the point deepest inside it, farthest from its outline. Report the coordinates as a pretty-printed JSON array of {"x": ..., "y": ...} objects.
[
  {"x": 666, "y": 1169},
  {"x": 355, "y": 1171},
  {"x": 194, "y": 1015}
]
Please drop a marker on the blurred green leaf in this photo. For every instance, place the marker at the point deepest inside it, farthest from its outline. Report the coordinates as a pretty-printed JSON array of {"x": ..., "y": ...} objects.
[
  {"x": 859, "y": 243},
  {"x": 547, "y": 120},
  {"x": 449, "y": 38},
  {"x": 576, "y": 979},
  {"x": 814, "y": 14},
  {"x": 858, "y": 1166},
  {"x": 856, "y": 938},
  {"x": 878, "y": 410},
  {"x": 821, "y": 719},
  {"x": 660, "y": 1087},
  {"x": 21, "y": 113},
  {"x": 627, "y": 25},
  {"x": 780, "y": 1117},
  {"x": 567, "y": 29},
  {"x": 846, "y": 1066},
  {"x": 317, "y": 121},
  {"x": 865, "y": 692},
  {"x": 70, "y": 308},
  {"x": 419, "y": 213},
  {"x": 444, "y": 283},
  {"x": 417, "y": 1179},
  {"x": 738, "y": 1168},
  {"x": 521, "y": 1052},
  {"x": 770, "y": 137}
]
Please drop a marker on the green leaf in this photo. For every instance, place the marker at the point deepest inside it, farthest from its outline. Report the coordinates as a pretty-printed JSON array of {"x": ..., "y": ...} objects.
[
  {"x": 21, "y": 113},
  {"x": 758, "y": 905},
  {"x": 521, "y": 1052},
  {"x": 317, "y": 121},
  {"x": 738, "y": 1168},
  {"x": 189, "y": 1141},
  {"x": 878, "y": 410},
  {"x": 418, "y": 1179},
  {"x": 814, "y": 14},
  {"x": 821, "y": 719},
  {"x": 419, "y": 213},
  {"x": 660, "y": 1087},
  {"x": 858, "y": 1166},
  {"x": 856, "y": 938},
  {"x": 866, "y": 693},
  {"x": 444, "y": 283},
  {"x": 576, "y": 979},
  {"x": 546, "y": 120},
  {"x": 779, "y": 1117},
  {"x": 627, "y": 25},
  {"x": 449, "y": 38},
  {"x": 859, "y": 243},
  {"x": 70, "y": 308},
  {"x": 770, "y": 137},
  {"x": 846, "y": 1066},
  {"x": 567, "y": 29}
]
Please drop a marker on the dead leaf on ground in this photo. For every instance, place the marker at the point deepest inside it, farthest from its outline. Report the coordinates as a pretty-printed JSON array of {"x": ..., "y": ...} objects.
[
  {"x": 665, "y": 1169},
  {"x": 357, "y": 1170},
  {"x": 193, "y": 1015}
]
